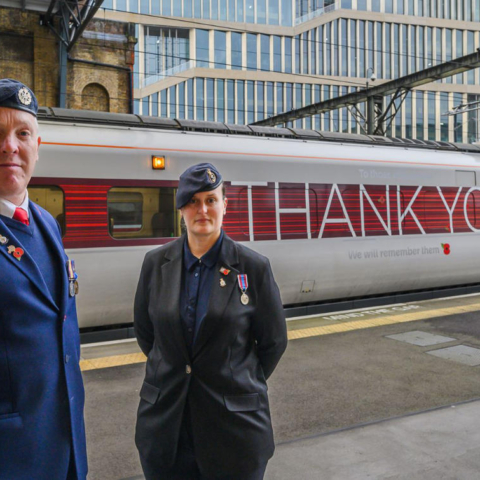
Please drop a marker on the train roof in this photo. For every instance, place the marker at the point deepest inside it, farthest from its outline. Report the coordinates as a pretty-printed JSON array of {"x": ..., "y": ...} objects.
[{"x": 138, "y": 121}]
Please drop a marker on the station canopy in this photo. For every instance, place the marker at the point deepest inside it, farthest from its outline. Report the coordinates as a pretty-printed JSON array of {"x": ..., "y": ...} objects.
[{"x": 34, "y": 5}]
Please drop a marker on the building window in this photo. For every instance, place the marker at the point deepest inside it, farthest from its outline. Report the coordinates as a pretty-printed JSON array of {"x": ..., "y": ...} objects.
[
  {"x": 273, "y": 12},
  {"x": 163, "y": 102},
  {"x": 203, "y": 48},
  {"x": 210, "y": 100},
  {"x": 277, "y": 54},
  {"x": 181, "y": 100},
  {"x": 231, "y": 101},
  {"x": 288, "y": 55},
  {"x": 265, "y": 52},
  {"x": 251, "y": 51},
  {"x": 419, "y": 113},
  {"x": 236, "y": 42},
  {"x": 172, "y": 93},
  {"x": 250, "y": 102},
  {"x": 142, "y": 213},
  {"x": 286, "y": 9},
  {"x": 220, "y": 49},
  {"x": 240, "y": 102},
  {"x": 250, "y": 11},
  {"x": 200, "y": 100},
  {"x": 279, "y": 98},
  {"x": 220, "y": 101},
  {"x": 261, "y": 11}
]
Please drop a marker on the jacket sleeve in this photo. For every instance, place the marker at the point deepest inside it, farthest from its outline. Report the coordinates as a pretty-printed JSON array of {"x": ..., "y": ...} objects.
[
  {"x": 269, "y": 326},
  {"x": 141, "y": 320}
]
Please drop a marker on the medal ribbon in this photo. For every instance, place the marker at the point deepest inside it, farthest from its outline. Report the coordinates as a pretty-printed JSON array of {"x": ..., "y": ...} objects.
[{"x": 242, "y": 282}]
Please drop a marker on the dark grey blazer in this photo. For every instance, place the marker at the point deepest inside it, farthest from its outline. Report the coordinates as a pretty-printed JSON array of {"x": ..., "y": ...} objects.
[{"x": 237, "y": 349}]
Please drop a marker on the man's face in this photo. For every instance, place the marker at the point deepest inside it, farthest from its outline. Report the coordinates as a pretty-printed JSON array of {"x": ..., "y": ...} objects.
[
  {"x": 203, "y": 214},
  {"x": 19, "y": 143}
]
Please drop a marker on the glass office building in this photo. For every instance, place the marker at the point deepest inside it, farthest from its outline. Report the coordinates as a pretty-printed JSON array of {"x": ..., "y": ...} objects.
[{"x": 240, "y": 61}]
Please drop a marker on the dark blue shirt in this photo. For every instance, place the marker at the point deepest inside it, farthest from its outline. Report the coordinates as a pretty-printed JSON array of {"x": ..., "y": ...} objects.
[{"x": 197, "y": 281}]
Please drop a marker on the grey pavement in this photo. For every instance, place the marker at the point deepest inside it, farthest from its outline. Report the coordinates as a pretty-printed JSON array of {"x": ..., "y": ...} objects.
[
  {"x": 328, "y": 383},
  {"x": 443, "y": 444}
]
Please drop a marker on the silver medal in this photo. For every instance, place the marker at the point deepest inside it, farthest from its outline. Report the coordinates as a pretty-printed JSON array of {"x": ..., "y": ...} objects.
[{"x": 244, "y": 298}]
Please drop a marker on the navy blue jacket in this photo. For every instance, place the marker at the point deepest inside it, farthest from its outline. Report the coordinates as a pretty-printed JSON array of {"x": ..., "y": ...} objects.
[{"x": 41, "y": 389}]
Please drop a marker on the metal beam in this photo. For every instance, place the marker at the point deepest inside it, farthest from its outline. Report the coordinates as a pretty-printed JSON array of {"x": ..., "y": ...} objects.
[
  {"x": 74, "y": 15},
  {"x": 406, "y": 83}
]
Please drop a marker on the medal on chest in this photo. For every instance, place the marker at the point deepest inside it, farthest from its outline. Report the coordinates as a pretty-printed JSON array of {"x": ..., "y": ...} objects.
[
  {"x": 72, "y": 278},
  {"x": 243, "y": 285}
]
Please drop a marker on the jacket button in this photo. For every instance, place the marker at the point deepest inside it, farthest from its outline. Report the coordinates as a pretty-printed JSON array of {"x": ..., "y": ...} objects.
[
  {"x": 67, "y": 358},
  {"x": 188, "y": 369}
]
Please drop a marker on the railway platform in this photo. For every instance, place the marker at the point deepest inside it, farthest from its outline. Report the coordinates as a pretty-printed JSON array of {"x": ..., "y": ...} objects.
[{"x": 384, "y": 393}]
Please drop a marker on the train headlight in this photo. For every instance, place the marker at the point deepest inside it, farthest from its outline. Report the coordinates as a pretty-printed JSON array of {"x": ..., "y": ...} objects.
[{"x": 158, "y": 163}]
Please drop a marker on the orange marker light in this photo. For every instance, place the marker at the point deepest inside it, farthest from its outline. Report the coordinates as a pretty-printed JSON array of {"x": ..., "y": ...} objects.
[{"x": 158, "y": 163}]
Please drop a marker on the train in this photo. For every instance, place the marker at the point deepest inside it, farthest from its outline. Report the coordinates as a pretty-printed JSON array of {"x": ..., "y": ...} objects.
[{"x": 339, "y": 215}]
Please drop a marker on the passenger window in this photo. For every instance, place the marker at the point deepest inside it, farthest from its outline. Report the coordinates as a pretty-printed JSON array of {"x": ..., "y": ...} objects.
[
  {"x": 50, "y": 198},
  {"x": 142, "y": 213}
]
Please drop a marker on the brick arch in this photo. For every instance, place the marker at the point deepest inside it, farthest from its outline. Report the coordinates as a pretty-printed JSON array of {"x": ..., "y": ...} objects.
[
  {"x": 95, "y": 97},
  {"x": 82, "y": 77}
]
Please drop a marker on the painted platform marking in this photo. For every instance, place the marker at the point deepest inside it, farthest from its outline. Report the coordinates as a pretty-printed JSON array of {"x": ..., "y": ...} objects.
[{"x": 120, "y": 360}]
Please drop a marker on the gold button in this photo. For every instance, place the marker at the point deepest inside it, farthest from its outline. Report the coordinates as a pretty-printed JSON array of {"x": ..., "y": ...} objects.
[{"x": 188, "y": 369}]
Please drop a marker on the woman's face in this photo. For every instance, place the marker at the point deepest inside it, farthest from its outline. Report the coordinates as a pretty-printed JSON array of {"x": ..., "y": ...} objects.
[{"x": 203, "y": 214}]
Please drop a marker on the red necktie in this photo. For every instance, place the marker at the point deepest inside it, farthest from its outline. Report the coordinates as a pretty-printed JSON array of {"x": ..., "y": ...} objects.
[{"x": 21, "y": 215}]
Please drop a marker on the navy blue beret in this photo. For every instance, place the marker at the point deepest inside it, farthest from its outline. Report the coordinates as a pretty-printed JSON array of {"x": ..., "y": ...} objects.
[
  {"x": 14, "y": 94},
  {"x": 202, "y": 177}
]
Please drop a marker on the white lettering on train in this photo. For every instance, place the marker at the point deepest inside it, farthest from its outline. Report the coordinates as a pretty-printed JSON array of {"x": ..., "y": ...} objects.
[{"x": 345, "y": 219}]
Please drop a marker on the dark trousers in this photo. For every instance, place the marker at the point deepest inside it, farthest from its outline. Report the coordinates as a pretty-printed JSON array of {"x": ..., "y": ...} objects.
[{"x": 186, "y": 468}]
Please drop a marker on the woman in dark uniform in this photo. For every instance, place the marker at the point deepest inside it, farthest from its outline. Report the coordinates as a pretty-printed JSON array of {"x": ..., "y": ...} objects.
[{"x": 208, "y": 315}]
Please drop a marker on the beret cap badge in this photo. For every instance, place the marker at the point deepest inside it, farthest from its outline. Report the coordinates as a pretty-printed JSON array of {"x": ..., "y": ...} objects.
[
  {"x": 203, "y": 177},
  {"x": 211, "y": 176},
  {"x": 24, "y": 96}
]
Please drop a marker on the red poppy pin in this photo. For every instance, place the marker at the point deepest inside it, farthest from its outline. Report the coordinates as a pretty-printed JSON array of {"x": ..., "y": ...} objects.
[
  {"x": 446, "y": 248},
  {"x": 17, "y": 252},
  {"x": 225, "y": 271}
]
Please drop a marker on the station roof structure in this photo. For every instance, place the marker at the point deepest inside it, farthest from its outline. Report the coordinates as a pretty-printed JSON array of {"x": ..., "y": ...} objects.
[
  {"x": 374, "y": 95},
  {"x": 74, "y": 14}
]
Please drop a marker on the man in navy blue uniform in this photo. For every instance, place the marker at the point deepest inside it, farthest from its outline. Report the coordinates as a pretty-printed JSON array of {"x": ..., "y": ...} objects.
[{"x": 42, "y": 434}]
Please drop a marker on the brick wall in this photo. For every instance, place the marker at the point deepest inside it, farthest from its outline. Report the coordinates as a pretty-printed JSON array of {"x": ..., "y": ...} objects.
[{"x": 29, "y": 52}]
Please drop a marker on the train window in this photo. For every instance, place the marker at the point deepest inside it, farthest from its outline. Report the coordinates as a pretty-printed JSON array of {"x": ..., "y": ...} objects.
[
  {"x": 50, "y": 198},
  {"x": 148, "y": 212}
]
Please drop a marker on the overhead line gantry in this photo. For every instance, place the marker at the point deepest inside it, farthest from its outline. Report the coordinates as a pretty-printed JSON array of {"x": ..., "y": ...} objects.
[{"x": 378, "y": 119}]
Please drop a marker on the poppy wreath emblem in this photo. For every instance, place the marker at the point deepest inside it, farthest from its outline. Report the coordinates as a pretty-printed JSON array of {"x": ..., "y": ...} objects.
[{"x": 446, "y": 248}]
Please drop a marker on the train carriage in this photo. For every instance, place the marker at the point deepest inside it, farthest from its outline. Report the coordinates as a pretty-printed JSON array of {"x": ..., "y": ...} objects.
[{"x": 340, "y": 216}]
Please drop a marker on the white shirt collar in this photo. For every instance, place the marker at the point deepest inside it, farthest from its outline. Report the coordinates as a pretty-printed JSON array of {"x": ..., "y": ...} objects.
[{"x": 8, "y": 208}]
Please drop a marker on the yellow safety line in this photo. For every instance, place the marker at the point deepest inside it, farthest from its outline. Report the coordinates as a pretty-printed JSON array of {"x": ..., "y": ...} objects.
[
  {"x": 114, "y": 361},
  {"x": 119, "y": 360},
  {"x": 380, "y": 321}
]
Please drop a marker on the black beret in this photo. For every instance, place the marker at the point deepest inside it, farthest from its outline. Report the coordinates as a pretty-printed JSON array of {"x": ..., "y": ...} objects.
[
  {"x": 14, "y": 94},
  {"x": 202, "y": 177}
]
